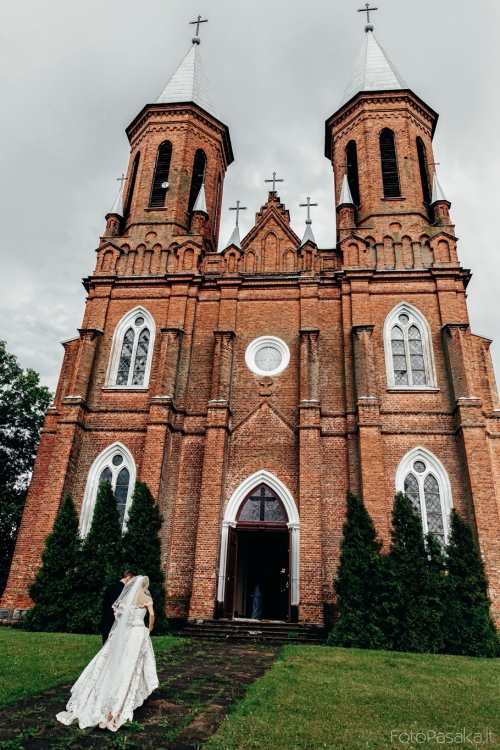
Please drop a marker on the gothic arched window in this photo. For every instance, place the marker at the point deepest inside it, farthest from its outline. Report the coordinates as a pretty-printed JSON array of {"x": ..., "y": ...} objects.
[
  {"x": 131, "y": 351},
  {"x": 351, "y": 158},
  {"x": 160, "y": 179},
  {"x": 199, "y": 167},
  {"x": 389, "y": 161},
  {"x": 408, "y": 349},
  {"x": 116, "y": 466},
  {"x": 424, "y": 480},
  {"x": 131, "y": 187},
  {"x": 424, "y": 176}
]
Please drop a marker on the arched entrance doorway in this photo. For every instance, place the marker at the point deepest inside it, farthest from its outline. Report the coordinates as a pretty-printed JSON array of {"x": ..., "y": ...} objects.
[{"x": 260, "y": 547}]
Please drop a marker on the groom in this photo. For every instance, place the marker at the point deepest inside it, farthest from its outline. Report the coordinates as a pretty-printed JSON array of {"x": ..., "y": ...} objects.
[{"x": 110, "y": 596}]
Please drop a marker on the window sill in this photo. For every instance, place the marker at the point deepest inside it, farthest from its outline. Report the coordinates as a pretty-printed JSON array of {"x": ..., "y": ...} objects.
[
  {"x": 126, "y": 388},
  {"x": 158, "y": 208},
  {"x": 412, "y": 389},
  {"x": 396, "y": 198}
]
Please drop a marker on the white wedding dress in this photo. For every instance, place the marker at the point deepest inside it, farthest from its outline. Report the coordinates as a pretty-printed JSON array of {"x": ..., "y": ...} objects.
[{"x": 113, "y": 685}]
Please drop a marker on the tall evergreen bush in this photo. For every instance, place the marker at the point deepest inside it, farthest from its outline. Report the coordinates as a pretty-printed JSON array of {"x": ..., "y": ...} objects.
[
  {"x": 359, "y": 586},
  {"x": 419, "y": 611},
  {"x": 142, "y": 548},
  {"x": 52, "y": 588},
  {"x": 467, "y": 624},
  {"x": 99, "y": 564}
]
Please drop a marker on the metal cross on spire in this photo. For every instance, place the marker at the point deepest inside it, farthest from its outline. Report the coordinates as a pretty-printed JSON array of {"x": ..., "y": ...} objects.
[
  {"x": 308, "y": 205},
  {"x": 122, "y": 180},
  {"x": 198, "y": 22},
  {"x": 237, "y": 208},
  {"x": 274, "y": 181},
  {"x": 367, "y": 10}
]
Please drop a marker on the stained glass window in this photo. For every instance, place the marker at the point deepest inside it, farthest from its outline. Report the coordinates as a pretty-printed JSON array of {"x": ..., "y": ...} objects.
[
  {"x": 125, "y": 358},
  {"x": 106, "y": 476},
  {"x": 433, "y": 507},
  {"x": 408, "y": 359},
  {"x": 263, "y": 505},
  {"x": 133, "y": 363},
  {"x": 416, "y": 356},
  {"x": 399, "y": 356},
  {"x": 141, "y": 358},
  {"x": 424, "y": 493},
  {"x": 121, "y": 491},
  {"x": 412, "y": 492}
]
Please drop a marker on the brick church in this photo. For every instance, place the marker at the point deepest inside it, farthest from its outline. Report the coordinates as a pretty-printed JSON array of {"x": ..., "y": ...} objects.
[{"x": 252, "y": 387}]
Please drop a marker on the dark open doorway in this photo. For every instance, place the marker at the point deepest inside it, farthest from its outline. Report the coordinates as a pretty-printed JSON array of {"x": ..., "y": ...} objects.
[
  {"x": 258, "y": 552},
  {"x": 262, "y": 559}
]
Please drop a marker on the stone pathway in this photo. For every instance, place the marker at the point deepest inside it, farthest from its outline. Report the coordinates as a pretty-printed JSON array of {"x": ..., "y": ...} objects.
[{"x": 198, "y": 683}]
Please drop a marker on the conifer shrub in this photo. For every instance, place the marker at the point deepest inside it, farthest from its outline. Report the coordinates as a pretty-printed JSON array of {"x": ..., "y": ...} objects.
[
  {"x": 418, "y": 611},
  {"x": 360, "y": 585},
  {"x": 142, "y": 549},
  {"x": 52, "y": 588},
  {"x": 467, "y": 625},
  {"x": 99, "y": 564}
]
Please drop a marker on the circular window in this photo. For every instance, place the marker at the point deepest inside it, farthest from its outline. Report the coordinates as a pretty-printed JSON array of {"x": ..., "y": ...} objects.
[
  {"x": 139, "y": 321},
  {"x": 117, "y": 460},
  {"x": 267, "y": 355},
  {"x": 419, "y": 466},
  {"x": 404, "y": 319}
]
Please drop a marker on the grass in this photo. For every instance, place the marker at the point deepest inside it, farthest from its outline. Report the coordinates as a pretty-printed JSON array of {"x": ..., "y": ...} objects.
[
  {"x": 33, "y": 662},
  {"x": 349, "y": 699}
]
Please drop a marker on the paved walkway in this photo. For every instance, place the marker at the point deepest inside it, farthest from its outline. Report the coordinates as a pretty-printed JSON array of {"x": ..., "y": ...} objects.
[{"x": 198, "y": 683}]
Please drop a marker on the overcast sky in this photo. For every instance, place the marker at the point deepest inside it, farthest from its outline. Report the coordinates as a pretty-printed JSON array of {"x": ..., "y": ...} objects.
[{"x": 74, "y": 74}]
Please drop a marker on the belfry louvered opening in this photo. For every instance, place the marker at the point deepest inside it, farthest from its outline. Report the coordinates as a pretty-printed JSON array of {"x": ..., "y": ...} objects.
[
  {"x": 132, "y": 182},
  {"x": 351, "y": 157},
  {"x": 199, "y": 166},
  {"x": 160, "y": 180},
  {"x": 424, "y": 176},
  {"x": 388, "y": 158}
]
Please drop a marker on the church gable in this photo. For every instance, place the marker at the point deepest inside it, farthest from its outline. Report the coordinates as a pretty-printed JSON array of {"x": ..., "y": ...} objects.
[{"x": 271, "y": 245}]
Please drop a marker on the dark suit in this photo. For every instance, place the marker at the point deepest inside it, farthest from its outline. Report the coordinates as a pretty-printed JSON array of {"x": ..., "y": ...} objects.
[{"x": 108, "y": 617}]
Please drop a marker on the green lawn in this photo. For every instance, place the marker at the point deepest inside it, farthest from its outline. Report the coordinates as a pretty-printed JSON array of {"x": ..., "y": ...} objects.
[
  {"x": 345, "y": 699},
  {"x": 33, "y": 662}
]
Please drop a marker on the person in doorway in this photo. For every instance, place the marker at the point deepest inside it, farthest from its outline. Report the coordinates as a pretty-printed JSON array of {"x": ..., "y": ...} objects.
[
  {"x": 110, "y": 596},
  {"x": 257, "y": 603}
]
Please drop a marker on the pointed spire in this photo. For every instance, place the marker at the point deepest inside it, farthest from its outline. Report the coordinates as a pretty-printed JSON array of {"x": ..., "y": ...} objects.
[
  {"x": 235, "y": 238},
  {"x": 201, "y": 202},
  {"x": 437, "y": 191},
  {"x": 117, "y": 207},
  {"x": 190, "y": 83},
  {"x": 308, "y": 234},
  {"x": 345, "y": 195},
  {"x": 373, "y": 71}
]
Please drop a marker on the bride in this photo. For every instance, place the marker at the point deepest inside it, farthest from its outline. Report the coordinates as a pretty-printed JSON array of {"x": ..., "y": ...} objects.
[{"x": 122, "y": 675}]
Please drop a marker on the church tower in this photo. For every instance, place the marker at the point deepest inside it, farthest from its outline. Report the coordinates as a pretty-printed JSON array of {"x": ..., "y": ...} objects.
[{"x": 421, "y": 384}]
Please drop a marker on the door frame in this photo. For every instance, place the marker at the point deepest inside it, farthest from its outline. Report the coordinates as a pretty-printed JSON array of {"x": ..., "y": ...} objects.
[{"x": 233, "y": 506}]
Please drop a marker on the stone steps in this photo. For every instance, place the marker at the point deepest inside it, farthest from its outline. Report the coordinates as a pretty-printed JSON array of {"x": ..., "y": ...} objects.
[{"x": 239, "y": 631}]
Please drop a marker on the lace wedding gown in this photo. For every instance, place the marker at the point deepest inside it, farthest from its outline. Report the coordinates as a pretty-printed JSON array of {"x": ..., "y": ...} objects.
[{"x": 109, "y": 700}]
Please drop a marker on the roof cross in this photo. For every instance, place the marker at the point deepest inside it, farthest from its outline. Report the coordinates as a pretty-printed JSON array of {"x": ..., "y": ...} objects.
[
  {"x": 238, "y": 208},
  {"x": 308, "y": 205},
  {"x": 122, "y": 180},
  {"x": 198, "y": 22},
  {"x": 367, "y": 10},
  {"x": 274, "y": 181}
]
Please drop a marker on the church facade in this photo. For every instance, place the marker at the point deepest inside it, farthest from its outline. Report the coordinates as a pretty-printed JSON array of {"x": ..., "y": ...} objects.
[{"x": 251, "y": 388}]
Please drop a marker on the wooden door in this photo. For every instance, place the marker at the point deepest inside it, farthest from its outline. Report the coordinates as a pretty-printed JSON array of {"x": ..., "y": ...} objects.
[{"x": 231, "y": 567}]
